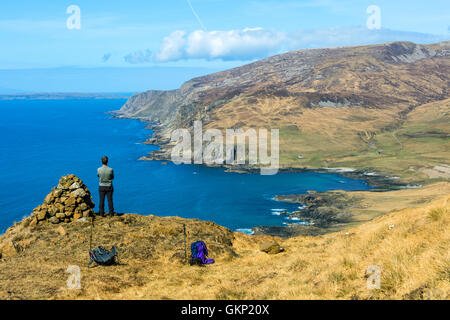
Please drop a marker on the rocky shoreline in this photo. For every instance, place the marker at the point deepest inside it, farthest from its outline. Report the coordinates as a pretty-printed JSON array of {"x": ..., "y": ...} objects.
[
  {"x": 322, "y": 210},
  {"x": 377, "y": 180}
]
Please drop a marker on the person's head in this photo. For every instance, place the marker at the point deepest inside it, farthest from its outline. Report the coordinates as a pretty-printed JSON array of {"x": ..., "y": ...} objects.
[{"x": 105, "y": 160}]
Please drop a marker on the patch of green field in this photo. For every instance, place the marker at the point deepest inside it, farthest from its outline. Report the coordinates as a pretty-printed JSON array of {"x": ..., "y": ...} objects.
[{"x": 401, "y": 152}]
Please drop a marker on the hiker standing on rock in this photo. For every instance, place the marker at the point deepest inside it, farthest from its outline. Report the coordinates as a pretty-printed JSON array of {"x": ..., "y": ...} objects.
[{"x": 106, "y": 175}]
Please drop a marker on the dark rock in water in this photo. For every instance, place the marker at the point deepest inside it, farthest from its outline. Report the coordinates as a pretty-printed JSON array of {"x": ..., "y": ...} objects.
[
  {"x": 322, "y": 208},
  {"x": 156, "y": 155},
  {"x": 270, "y": 247}
]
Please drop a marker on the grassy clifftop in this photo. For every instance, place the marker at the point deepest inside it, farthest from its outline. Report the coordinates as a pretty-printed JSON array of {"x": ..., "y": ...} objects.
[{"x": 409, "y": 246}]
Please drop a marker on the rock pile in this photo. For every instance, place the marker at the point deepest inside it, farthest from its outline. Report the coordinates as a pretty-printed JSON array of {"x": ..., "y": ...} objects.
[{"x": 69, "y": 201}]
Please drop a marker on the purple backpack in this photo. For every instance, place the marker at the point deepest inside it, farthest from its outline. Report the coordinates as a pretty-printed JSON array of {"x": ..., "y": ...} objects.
[{"x": 199, "y": 252}]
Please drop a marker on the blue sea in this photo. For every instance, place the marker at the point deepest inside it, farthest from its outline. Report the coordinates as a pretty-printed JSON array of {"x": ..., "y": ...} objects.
[{"x": 41, "y": 140}]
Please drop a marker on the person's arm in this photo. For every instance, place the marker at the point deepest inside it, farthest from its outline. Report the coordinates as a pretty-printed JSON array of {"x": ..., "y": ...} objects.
[
  {"x": 112, "y": 174},
  {"x": 98, "y": 175}
]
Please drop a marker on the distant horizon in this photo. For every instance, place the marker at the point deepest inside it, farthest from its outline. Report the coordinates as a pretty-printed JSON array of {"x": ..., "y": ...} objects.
[
  {"x": 96, "y": 79},
  {"x": 69, "y": 93},
  {"x": 104, "y": 46},
  {"x": 138, "y": 79}
]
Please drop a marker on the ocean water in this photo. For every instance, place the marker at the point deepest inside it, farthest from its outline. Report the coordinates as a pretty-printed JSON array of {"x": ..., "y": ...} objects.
[{"x": 42, "y": 140}]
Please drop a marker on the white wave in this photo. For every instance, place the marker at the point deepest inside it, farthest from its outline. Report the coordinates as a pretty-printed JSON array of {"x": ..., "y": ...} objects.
[
  {"x": 277, "y": 212},
  {"x": 342, "y": 170},
  {"x": 296, "y": 220},
  {"x": 245, "y": 230},
  {"x": 412, "y": 186}
]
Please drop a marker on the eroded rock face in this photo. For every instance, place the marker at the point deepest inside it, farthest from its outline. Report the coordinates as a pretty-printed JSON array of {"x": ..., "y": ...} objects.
[{"x": 70, "y": 200}]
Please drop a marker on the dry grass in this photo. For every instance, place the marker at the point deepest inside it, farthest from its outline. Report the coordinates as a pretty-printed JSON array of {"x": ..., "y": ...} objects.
[
  {"x": 371, "y": 204},
  {"x": 409, "y": 246}
]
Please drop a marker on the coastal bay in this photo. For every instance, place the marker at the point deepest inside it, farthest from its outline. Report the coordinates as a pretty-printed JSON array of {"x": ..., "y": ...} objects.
[{"x": 69, "y": 136}]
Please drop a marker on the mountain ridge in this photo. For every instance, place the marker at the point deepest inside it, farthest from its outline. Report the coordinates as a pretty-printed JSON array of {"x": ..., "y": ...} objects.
[
  {"x": 296, "y": 66},
  {"x": 337, "y": 107}
]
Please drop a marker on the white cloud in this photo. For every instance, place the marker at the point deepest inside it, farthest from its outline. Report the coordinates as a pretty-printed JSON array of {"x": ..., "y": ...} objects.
[
  {"x": 172, "y": 47},
  {"x": 255, "y": 43},
  {"x": 139, "y": 57},
  {"x": 249, "y": 43}
]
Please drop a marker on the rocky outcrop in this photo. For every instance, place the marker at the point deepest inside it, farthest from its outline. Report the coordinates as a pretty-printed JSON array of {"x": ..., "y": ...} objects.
[
  {"x": 324, "y": 209},
  {"x": 69, "y": 201}
]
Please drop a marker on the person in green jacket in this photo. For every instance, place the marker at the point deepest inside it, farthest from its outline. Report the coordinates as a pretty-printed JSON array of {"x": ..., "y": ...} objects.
[{"x": 105, "y": 175}]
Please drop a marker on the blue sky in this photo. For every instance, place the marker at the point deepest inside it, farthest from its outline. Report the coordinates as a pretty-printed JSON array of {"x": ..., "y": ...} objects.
[{"x": 195, "y": 36}]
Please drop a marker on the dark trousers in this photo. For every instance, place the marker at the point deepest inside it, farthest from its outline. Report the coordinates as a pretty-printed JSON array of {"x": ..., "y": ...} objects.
[{"x": 108, "y": 192}]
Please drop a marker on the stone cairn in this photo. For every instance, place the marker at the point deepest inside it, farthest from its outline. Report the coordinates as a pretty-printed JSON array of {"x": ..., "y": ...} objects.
[{"x": 69, "y": 201}]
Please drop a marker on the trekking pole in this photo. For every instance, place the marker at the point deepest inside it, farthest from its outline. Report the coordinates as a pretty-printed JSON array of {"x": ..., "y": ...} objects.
[
  {"x": 90, "y": 236},
  {"x": 185, "y": 247}
]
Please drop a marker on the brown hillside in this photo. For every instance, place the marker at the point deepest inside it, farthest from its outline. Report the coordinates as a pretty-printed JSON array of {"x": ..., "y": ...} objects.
[
  {"x": 355, "y": 107},
  {"x": 409, "y": 246},
  {"x": 368, "y": 76}
]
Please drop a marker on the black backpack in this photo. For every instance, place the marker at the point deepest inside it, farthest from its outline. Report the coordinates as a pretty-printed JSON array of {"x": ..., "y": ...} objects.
[{"x": 102, "y": 256}]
